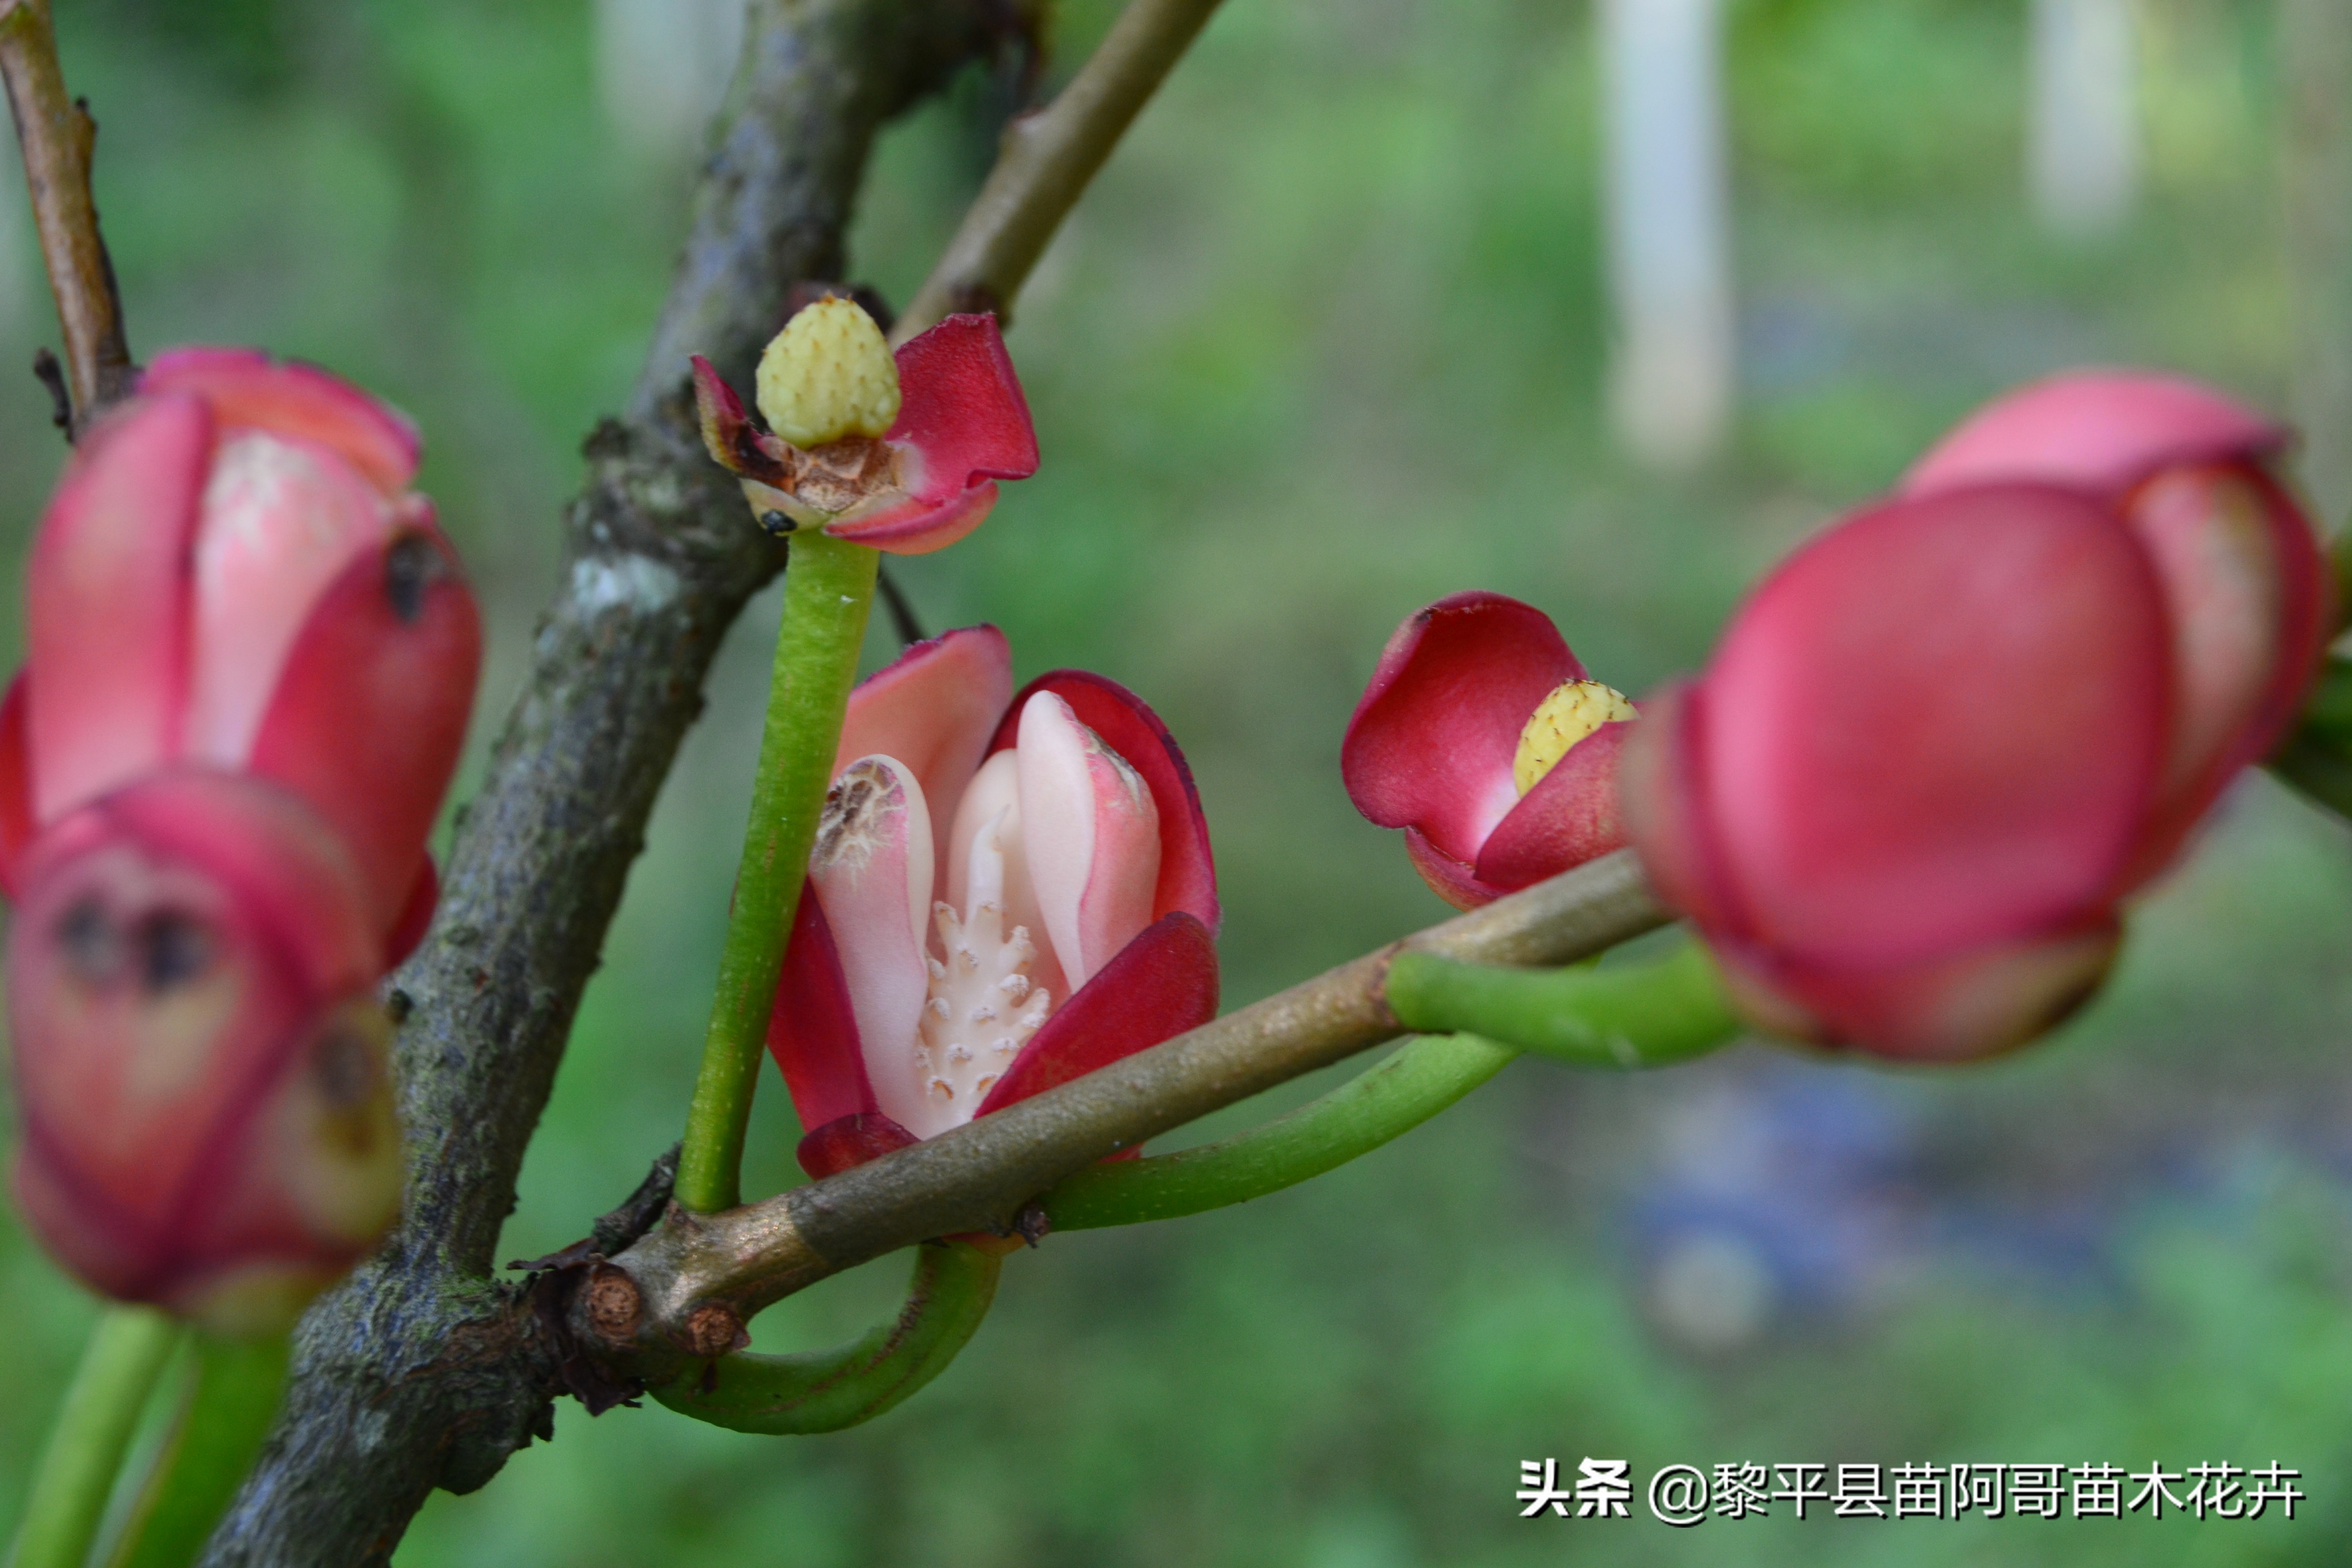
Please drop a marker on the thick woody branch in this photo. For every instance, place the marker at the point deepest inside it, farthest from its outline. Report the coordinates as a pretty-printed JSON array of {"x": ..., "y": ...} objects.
[
  {"x": 681, "y": 1293},
  {"x": 1047, "y": 159},
  {"x": 58, "y": 135}
]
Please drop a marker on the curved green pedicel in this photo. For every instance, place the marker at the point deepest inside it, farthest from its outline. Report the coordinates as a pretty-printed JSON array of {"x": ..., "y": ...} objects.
[
  {"x": 1635, "y": 1016},
  {"x": 238, "y": 1384},
  {"x": 824, "y": 1391},
  {"x": 1632, "y": 1015},
  {"x": 126, "y": 1355}
]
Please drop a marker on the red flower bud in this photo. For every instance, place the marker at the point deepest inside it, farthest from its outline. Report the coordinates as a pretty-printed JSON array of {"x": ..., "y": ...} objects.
[
  {"x": 1936, "y": 747},
  {"x": 250, "y": 662},
  {"x": 1062, "y": 827},
  {"x": 1454, "y": 740}
]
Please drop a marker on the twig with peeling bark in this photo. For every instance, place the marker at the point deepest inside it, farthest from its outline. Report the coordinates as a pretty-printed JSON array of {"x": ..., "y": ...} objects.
[
  {"x": 57, "y": 136},
  {"x": 684, "y": 1292},
  {"x": 1047, "y": 160}
]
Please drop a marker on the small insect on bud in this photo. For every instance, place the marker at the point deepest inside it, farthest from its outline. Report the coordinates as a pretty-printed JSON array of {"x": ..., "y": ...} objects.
[
  {"x": 1573, "y": 710},
  {"x": 828, "y": 374}
]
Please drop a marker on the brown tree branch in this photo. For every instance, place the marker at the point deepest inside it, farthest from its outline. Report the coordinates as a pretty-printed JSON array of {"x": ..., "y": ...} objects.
[
  {"x": 683, "y": 1292},
  {"x": 1047, "y": 159},
  {"x": 57, "y": 135}
]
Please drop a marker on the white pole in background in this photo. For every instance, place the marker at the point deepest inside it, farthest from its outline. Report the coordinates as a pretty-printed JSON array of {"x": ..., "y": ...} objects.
[
  {"x": 662, "y": 67},
  {"x": 1672, "y": 363},
  {"x": 2082, "y": 135}
]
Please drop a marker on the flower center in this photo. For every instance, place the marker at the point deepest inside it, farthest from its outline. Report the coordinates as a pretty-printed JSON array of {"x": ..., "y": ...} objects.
[
  {"x": 828, "y": 374},
  {"x": 980, "y": 1007},
  {"x": 1572, "y": 711}
]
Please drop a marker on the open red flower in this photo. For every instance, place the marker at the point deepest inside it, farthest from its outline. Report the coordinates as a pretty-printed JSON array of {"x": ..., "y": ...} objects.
[
  {"x": 900, "y": 453},
  {"x": 1938, "y": 745},
  {"x": 250, "y": 662},
  {"x": 1483, "y": 738},
  {"x": 1008, "y": 890}
]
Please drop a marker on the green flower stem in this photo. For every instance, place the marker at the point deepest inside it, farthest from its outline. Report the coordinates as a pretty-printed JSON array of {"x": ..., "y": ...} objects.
[
  {"x": 1383, "y": 1102},
  {"x": 824, "y": 1391},
  {"x": 2317, "y": 757},
  {"x": 118, "y": 1373},
  {"x": 1639, "y": 1015},
  {"x": 829, "y": 591},
  {"x": 1636, "y": 1016},
  {"x": 237, "y": 1386}
]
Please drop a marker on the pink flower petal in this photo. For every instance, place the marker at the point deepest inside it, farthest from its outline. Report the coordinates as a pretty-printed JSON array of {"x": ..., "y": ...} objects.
[
  {"x": 733, "y": 442},
  {"x": 1569, "y": 817},
  {"x": 1188, "y": 872},
  {"x": 1091, "y": 833},
  {"x": 962, "y": 408},
  {"x": 2102, "y": 431},
  {"x": 872, "y": 870},
  {"x": 1432, "y": 742},
  {"x": 1938, "y": 725},
  {"x": 1155, "y": 988},
  {"x": 2247, "y": 592},
  {"x": 108, "y": 603},
  {"x": 1660, "y": 804},
  {"x": 850, "y": 1140},
  {"x": 250, "y": 390},
  {"x": 812, "y": 1028},
  {"x": 369, "y": 715},
  {"x": 283, "y": 519},
  {"x": 415, "y": 915},
  {"x": 935, "y": 709}
]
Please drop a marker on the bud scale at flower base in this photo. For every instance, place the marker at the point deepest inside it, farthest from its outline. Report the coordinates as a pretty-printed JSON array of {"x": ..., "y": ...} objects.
[{"x": 250, "y": 661}]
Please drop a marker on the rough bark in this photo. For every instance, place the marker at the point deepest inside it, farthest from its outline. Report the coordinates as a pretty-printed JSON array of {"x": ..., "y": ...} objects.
[{"x": 424, "y": 1369}]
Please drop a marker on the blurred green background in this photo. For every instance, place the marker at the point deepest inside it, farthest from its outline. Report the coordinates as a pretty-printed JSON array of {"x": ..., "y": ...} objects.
[{"x": 1326, "y": 341}]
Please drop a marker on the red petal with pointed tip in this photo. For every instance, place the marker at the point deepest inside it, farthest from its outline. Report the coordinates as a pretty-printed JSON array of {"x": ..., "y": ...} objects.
[
  {"x": 370, "y": 713},
  {"x": 16, "y": 826},
  {"x": 812, "y": 1030},
  {"x": 1569, "y": 817},
  {"x": 962, "y": 408},
  {"x": 1938, "y": 725},
  {"x": 733, "y": 442},
  {"x": 1154, "y": 989},
  {"x": 1188, "y": 870},
  {"x": 851, "y": 1141},
  {"x": 2099, "y": 430},
  {"x": 108, "y": 603},
  {"x": 248, "y": 389},
  {"x": 934, "y": 708},
  {"x": 1432, "y": 742}
]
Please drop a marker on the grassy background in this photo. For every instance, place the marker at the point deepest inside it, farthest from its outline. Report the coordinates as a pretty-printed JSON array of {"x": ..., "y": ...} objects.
[{"x": 1325, "y": 343}]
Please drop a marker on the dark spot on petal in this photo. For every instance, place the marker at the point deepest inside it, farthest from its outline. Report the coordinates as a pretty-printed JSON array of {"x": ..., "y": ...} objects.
[
  {"x": 91, "y": 942},
  {"x": 411, "y": 567},
  {"x": 174, "y": 948}
]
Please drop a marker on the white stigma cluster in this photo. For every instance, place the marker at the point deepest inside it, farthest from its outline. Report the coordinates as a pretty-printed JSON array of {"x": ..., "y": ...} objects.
[{"x": 980, "y": 1007}]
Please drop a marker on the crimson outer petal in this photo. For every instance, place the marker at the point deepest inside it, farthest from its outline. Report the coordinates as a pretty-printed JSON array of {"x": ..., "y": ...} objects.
[
  {"x": 1153, "y": 989},
  {"x": 2102, "y": 431},
  {"x": 1933, "y": 731},
  {"x": 1431, "y": 744},
  {"x": 370, "y": 713},
  {"x": 247, "y": 389},
  {"x": 962, "y": 412}
]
